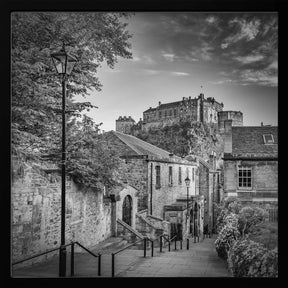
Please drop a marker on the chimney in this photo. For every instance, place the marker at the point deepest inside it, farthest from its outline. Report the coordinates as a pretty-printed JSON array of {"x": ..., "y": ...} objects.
[
  {"x": 183, "y": 98},
  {"x": 189, "y": 97},
  {"x": 159, "y": 103},
  {"x": 261, "y": 124},
  {"x": 228, "y": 136}
]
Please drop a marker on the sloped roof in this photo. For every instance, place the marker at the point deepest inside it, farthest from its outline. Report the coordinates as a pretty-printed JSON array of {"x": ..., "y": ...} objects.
[
  {"x": 247, "y": 141},
  {"x": 204, "y": 163},
  {"x": 144, "y": 148}
]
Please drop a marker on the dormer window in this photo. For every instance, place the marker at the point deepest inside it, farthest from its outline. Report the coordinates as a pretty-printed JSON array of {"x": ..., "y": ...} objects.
[{"x": 268, "y": 139}]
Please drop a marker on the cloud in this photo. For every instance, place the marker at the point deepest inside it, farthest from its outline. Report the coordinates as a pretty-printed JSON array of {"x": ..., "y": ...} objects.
[
  {"x": 211, "y": 19},
  {"x": 249, "y": 58},
  {"x": 169, "y": 56},
  {"x": 247, "y": 30},
  {"x": 150, "y": 72},
  {"x": 273, "y": 65},
  {"x": 145, "y": 59},
  {"x": 219, "y": 82},
  {"x": 180, "y": 73},
  {"x": 259, "y": 77}
]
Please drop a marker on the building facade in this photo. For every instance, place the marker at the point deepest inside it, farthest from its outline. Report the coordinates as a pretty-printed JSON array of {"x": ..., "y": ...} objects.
[
  {"x": 251, "y": 164},
  {"x": 235, "y": 116},
  {"x": 124, "y": 124},
  {"x": 159, "y": 176},
  {"x": 197, "y": 109}
]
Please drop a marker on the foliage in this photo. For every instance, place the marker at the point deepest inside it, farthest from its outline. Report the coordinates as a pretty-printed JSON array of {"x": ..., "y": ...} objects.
[
  {"x": 265, "y": 233},
  {"x": 249, "y": 217},
  {"x": 228, "y": 234},
  {"x": 237, "y": 226},
  {"x": 36, "y": 88},
  {"x": 182, "y": 138},
  {"x": 227, "y": 206},
  {"x": 247, "y": 258}
]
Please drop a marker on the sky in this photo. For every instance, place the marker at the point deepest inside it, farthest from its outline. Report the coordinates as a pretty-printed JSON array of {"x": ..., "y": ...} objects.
[{"x": 232, "y": 57}]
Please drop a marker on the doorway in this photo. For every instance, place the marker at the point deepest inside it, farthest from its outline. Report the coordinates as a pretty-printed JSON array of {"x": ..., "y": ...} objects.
[{"x": 127, "y": 210}]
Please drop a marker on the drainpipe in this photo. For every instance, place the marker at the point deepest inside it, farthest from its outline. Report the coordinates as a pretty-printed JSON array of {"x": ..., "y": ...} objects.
[{"x": 151, "y": 188}]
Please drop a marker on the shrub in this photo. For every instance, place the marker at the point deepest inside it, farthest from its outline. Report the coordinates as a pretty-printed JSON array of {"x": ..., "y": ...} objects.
[
  {"x": 247, "y": 258},
  {"x": 265, "y": 233},
  {"x": 229, "y": 205},
  {"x": 249, "y": 217},
  {"x": 228, "y": 234}
]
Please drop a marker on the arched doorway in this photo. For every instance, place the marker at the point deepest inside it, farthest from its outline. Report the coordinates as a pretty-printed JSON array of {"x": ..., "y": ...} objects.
[
  {"x": 195, "y": 218},
  {"x": 127, "y": 210}
]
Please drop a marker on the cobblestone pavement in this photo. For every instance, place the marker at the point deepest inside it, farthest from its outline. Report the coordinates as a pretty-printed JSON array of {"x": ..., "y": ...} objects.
[{"x": 201, "y": 260}]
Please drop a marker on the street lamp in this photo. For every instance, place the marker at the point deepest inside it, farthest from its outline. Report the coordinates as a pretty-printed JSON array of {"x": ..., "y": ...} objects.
[
  {"x": 187, "y": 182},
  {"x": 64, "y": 64}
]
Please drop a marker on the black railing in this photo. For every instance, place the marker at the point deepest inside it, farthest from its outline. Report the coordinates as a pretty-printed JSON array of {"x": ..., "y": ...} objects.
[
  {"x": 72, "y": 244},
  {"x": 130, "y": 245},
  {"x": 163, "y": 238}
]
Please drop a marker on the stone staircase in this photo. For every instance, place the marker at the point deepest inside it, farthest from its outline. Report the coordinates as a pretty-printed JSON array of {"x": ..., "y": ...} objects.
[{"x": 109, "y": 245}]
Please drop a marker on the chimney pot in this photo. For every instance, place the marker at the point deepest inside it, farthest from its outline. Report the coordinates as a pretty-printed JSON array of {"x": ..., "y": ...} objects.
[{"x": 159, "y": 103}]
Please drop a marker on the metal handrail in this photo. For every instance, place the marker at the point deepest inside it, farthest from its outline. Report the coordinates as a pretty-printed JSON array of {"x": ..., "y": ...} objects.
[
  {"x": 40, "y": 254},
  {"x": 127, "y": 246},
  {"x": 145, "y": 245},
  {"x": 72, "y": 256},
  {"x": 76, "y": 242}
]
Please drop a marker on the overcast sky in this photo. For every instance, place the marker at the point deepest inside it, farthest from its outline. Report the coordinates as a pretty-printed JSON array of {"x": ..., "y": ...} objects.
[{"x": 233, "y": 56}]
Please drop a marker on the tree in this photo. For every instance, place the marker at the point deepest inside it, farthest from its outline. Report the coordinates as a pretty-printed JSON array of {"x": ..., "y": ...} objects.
[
  {"x": 36, "y": 88},
  {"x": 182, "y": 138}
]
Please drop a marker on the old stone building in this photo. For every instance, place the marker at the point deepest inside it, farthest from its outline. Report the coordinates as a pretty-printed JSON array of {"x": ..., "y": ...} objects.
[
  {"x": 124, "y": 124},
  {"x": 251, "y": 164},
  {"x": 235, "y": 116},
  {"x": 197, "y": 109},
  {"x": 160, "y": 179}
]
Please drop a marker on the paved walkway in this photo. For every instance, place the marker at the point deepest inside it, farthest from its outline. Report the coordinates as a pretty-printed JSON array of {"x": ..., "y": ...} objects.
[{"x": 201, "y": 260}]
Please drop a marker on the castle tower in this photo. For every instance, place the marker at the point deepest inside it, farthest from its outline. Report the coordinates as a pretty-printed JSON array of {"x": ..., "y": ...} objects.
[
  {"x": 124, "y": 124},
  {"x": 235, "y": 116}
]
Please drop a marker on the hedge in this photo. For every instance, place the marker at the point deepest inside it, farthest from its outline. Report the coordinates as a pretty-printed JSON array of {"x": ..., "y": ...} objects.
[{"x": 247, "y": 258}]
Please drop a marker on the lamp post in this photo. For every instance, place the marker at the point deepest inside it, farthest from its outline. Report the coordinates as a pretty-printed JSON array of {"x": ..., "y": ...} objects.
[
  {"x": 64, "y": 64},
  {"x": 187, "y": 182}
]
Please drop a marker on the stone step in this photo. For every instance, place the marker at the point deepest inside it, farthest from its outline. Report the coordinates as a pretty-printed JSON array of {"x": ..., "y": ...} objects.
[{"x": 109, "y": 245}]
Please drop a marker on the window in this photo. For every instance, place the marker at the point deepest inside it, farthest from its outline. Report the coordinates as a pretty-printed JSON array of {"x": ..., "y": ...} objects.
[
  {"x": 158, "y": 183},
  {"x": 180, "y": 176},
  {"x": 165, "y": 113},
  {"x": 170, "y": 176},
  {"x": 170, "y": 113},
  {"x": 175, "y": 112},
  {"x": 193, "y": 174},
  {"x": 187, "y": 172},
  {"x": 268, "y": 139},
  {"x": 245, "y": 177}
]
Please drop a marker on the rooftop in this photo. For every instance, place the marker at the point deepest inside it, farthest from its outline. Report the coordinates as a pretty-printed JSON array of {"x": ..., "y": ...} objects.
[
  {"x": 248, "y": 141},
  {"x": 144, "y": 148}
]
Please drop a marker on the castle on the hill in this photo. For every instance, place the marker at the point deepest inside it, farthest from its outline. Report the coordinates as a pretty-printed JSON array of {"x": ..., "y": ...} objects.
[{"x": 196, "y": 109}]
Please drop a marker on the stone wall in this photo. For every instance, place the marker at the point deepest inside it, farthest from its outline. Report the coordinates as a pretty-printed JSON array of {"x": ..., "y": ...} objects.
[
  {"x": 135, "y": 173},
  {"x": 36, "y": 213},
  {"x": 264, "y": 180}
]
